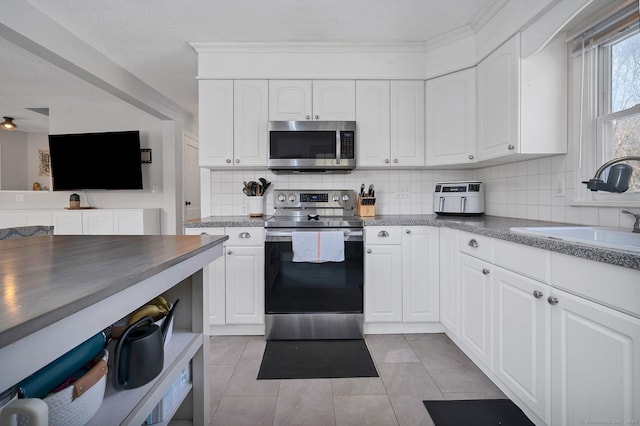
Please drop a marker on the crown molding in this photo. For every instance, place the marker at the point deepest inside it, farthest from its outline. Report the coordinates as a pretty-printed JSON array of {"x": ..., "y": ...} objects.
[{"x": 310, "y": 47}]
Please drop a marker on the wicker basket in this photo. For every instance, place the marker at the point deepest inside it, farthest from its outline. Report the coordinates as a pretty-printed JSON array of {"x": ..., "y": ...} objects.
[{"x": 77, "y": 403}]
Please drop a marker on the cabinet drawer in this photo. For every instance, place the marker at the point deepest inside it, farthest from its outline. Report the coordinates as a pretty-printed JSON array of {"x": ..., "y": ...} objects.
[
  {"x": 476, "y": 245},
  {"x": 530, "y": 261},
  {"x": 208, "y": 231},
  {"x": 245, "y": 236},
  {"x": 383, "y": 234}
]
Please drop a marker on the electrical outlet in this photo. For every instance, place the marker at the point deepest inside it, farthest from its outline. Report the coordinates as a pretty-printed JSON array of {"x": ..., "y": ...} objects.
[
  {"x": 20, "y": 198},
  {"x": 402, "y": 192},
  {"x": 558, "y": 188}
]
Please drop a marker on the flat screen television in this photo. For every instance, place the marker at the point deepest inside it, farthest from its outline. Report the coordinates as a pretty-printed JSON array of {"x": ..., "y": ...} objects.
[{"x": 108, "y": 160}]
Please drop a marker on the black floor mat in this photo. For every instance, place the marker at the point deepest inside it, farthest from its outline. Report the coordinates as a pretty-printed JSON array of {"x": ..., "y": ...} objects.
[
  {"x": 476, "y": 412},
  {"x": 316, "y": 359}
]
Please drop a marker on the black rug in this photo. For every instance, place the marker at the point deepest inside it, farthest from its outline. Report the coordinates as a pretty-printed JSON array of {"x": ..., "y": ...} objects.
[
  {"x": 316, "y": 359},
  {"x": 476, "y": 412}
]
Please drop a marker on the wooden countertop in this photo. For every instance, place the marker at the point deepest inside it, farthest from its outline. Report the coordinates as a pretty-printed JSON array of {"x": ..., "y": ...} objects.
[{"x": 48, "y": 278}]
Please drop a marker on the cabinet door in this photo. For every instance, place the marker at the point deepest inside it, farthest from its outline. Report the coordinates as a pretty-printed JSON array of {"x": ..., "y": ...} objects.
[
  {"x": 407, "y": 123},
  {"x": 244, "y": 285},
  {"x": 595, "y": 362},
  {"x": 449, "y": 279},
  {"x": 37, "y": 217},
  {"x": 251, "y": 114},
  {"x": 290, "y": 100},
  {"x": 334, "y": 100},
  {"x": 216, "y": 123},
  {"x": 12, "y": 219},
  {"x": 98, "y": 222},
  {"x": 476, "y": 307},
  {"x": 420, "y": 274},
  {"x": 66, "y": 223},
  {"x": 383, "y": 283},
  {"x": 373, "y": 123},
  {"x": 451, "y": 119},
  {"x": 128, "y": 222},
  {"x": 521, "y": 336},
  {"x": 499, "y": 101}
]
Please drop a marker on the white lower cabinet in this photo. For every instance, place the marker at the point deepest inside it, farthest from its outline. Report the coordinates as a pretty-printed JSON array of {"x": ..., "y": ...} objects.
[
  {"x": 449, "y": 279},
  {"x": 401, "y": 275},
  {"x": 521, "y": 337},
  {"x": 66, "y": 222},
  {"x": 235, "y": 282},
  {"x": 595, "y": 363}
]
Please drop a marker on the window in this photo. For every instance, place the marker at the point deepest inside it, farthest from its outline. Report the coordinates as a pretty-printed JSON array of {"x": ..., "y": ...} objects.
[{"x": 605, "y": 75}]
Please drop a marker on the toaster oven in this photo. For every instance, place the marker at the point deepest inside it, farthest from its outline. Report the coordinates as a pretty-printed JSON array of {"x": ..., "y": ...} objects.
[{"x": 459, "y": 198}]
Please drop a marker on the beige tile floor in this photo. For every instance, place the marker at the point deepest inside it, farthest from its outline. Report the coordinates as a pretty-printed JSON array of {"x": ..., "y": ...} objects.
[{"x": 412, "y": 368}]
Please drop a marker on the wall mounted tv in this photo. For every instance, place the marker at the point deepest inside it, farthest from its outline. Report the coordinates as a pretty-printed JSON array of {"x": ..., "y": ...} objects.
[{"x": 109, "y": 160}]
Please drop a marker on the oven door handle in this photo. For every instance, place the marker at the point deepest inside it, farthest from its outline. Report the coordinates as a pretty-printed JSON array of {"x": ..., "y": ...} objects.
[{"x": 282, "y": 235}]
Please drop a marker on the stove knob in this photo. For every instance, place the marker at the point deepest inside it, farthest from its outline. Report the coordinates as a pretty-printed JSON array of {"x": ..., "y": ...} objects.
[
  {"x": 345, "y": 197},
  {"x": 336, "y": 197},
  {"x": 292, "y": 198},
  {"x": 281, "y": 198}
]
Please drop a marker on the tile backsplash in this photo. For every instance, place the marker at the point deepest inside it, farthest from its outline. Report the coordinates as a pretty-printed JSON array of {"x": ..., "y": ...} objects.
[{"x": 539, "y": 189}]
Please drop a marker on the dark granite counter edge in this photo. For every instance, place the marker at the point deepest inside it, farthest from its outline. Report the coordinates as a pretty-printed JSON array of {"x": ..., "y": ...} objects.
[{"x": 490, "y": 226}]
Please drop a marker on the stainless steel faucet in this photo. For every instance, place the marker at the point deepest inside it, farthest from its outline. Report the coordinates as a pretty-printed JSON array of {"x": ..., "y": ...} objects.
[{"x": 636, "y": 226}]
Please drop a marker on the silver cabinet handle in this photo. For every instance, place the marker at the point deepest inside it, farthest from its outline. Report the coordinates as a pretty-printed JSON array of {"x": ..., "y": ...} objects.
[
  {"x": 237, "y": 160},
  {"x": 471, "y": 157},
  {"x": 485, "y": 271},
  {"x": 463, "y": 204},
  {"x": 386, "y": 161},
  {"x": 552, "y": 300},
  {"x": 227, "y": 161},
  {"x": 229, "y": 252},
  {"x": 408, "y": 231},
  {"x": 511, "y": 147},
  {"x": 308, "y": 117},
  {"x": 395, "y": 160},
  {"x": 473, "y": 243},
  {"x": 441, "y": 205},
  {"x": 317, "y": 117},
  {"x": 537, "y": 294},
  {"x": 244, "y": 235},
  {"x": 368, "y": 250},
  {"x": 203, "y": 233},
  {"x": 383, "y": 234}
]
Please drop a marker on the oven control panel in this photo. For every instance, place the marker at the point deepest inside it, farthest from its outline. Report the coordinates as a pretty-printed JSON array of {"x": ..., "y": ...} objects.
[{"x": 323, "y": 199}]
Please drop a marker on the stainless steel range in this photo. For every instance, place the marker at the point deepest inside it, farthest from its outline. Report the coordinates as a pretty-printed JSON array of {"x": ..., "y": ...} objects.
[{"x": 309, "y": 297}]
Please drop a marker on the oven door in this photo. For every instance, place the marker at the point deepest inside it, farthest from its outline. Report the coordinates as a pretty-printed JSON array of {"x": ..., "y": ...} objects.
[{"x": 306, "y": 297}]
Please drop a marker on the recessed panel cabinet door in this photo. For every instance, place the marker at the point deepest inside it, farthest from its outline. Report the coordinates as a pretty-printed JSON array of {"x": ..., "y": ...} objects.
[
  {"x": 250, "y": 118},
  {"x": 407, "y": 123},
  {"x": 244, "y": 285},
  {"x": 216, "y": 123},
  {"x": 449, "y": 279},
  {"x": 334, "y": 100},
  {"x": 290, "y": 100},
  {"x": 595, "y": 362},
  {"x": 383, "y": 283},
  {"x": 373, "y": 123},
  {"x": 420, "y": 273}
]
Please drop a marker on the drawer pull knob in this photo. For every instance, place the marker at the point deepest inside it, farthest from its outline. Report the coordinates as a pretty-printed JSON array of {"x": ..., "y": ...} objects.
[
  {"x": 471, "y": 157},
  {"x": 537, "y": 294},
  {"x": 408, "y": 231},
  {"x": 229, "y": 252},
  {"x": 244, "y": 235},
  {"x": 552, "y": 300},
  {"x": 485, "y": 271},
  {"x": 383, "y": 234},
  {"x": 368, "y": 250},
  {"x": 511, "y": 147},
  {"x": 473, "y": 243}
]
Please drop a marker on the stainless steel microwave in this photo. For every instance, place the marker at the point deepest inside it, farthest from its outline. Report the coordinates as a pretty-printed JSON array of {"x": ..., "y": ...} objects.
[{"x": 312, "y": 146}]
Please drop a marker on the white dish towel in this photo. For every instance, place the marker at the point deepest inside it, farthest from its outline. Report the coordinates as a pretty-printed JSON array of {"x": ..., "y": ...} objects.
[{"x": 318, "y": 247}]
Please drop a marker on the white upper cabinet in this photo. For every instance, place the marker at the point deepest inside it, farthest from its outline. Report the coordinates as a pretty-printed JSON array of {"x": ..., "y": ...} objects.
[
  {"x": 250, "y": 117},
  {"x": 522, "y": 102},
  {"x": 216, "y": 122},
  {"x": 451, "y": 119},
  {"x": 300, "y": 100},
  {"x": 373, "y": 121},
  {"x": 390, "y": 119}
]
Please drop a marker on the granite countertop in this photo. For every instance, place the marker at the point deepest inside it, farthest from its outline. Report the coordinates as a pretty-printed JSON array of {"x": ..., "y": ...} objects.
[{"x": 491, "y": 226}]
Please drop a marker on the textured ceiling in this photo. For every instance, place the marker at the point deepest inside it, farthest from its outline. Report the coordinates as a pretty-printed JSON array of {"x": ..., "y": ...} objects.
[{"x": 149, "y": 38}]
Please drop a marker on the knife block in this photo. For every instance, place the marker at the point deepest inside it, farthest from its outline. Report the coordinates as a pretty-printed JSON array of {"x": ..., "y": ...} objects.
[{"x": 366, "y": 206}]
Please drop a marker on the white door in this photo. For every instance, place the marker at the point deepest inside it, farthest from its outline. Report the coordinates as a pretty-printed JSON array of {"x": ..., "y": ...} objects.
[
  {"x": 451, "y": 119},
  {"x": 244, "y": 285},
  {"x": 499, "y": 101},
  {"x": 521, "y": 338},
  {"x": 595, "y": 362},
  {"x": 290, "y": 100},
  {"x": 216, "y": 123},
  {"x": 407, "y": 123},
  {"x": 420, "y": 274},
  {"x": 373, "y": 123},
  {"x": 97, "y": 222},
  {"x": 251, "y": 116},
  {"x": 383, "y": 283},
  {"x": 334, "y": 100},
  {"x": 190, "y": 176},
  {"x": 475, "y": 308},
  {"x": 66, "y": 222},
  {"x": 449, "y": 279}
]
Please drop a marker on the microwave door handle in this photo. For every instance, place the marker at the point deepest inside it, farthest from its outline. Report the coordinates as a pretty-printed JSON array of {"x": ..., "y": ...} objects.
[
  {"x": 463, "y": 204},
  {"x": 441, "y": 205},
  {"x": 338, "y": 148}
]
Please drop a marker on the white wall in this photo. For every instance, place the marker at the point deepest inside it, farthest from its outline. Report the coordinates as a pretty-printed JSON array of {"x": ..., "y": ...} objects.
[{"x": 13, "y": 160}]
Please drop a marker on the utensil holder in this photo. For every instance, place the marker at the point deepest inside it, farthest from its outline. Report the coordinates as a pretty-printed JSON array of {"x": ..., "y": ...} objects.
[
  {"x": 255, "y": 206},
  {"x": 366, "y": 206}
]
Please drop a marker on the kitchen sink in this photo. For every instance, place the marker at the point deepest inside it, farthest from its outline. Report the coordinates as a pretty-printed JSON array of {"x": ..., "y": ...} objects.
[{"x": 613, "y": 238}]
